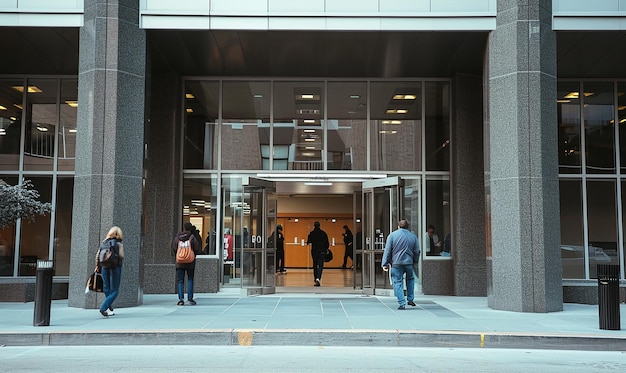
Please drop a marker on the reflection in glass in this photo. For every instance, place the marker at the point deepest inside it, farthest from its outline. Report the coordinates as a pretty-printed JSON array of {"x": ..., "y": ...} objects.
[
  {"x": 63, "y": 225},
  {"x": 437, "y": 126},
  {"x": 298, "y": 127},
  {"x": 568, "y": 109},
  {"x": 7, "y": 240},
  {"x": 35, "y": 236},
  {"x": 246, "y": 126},
  {"x": 200, "y": 209},
  {"x": 602, "y": 224},
  {"x": 41, "y": 114},
  {"x": 572, "y": 241},
  {"x": 621, "y": 117},
  {"x": 201, "y": 114},
  {"x": 599, "y": 127},
  {"x": 437, "y": 215},
  {"x": 67, "y": 127},
  {"x": 233, "y": 231},
  {"x": 347, "y": 126},
  {"x": 396, "y": 126},
  {"x": 10, "y": 123}
]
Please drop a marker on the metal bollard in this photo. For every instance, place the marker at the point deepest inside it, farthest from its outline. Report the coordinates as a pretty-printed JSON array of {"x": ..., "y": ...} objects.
[
  {"x": 43, "y": 293},
  {"x": 608, "y": 296}
]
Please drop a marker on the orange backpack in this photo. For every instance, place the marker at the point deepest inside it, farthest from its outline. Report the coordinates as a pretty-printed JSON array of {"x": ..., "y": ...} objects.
[{"x": 185, "y": 254}]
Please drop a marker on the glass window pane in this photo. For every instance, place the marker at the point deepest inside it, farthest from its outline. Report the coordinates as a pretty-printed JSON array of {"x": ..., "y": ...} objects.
[
  {"x": 602, "y": 224},
  {"x": 437, "y": 118},
  {"x": 41, "y": 121},
  {"x": 568, "y": 109},
  {"x": 7, "y": 240},
  {"x": 347, "y": 126},
  {"x": 621, "y": 115},
  {"x": 246, "y": 126},
  {"x": 10, "y": 123},
  {"x": 200, "y": 208},
  {"x": 437, "y": 217},
  {"x": 572, "y": 240},
  {"x": 396, "y": 126},
  {"x": 201, "y": 114},
  {"x": 298, "y": 127},
  {"x": 67, "y": 128},
  {"x": 599, "y": 127},
  {"x": 35, "y": 236},
  {"x": 63, "y": 225}
]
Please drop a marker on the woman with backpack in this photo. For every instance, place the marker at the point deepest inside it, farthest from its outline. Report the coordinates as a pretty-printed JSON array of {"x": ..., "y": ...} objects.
[{"x": 109, "y": 260}]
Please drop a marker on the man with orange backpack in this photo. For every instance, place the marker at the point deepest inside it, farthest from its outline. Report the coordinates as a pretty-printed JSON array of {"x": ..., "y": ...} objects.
[{"x": 185, "y": 247}]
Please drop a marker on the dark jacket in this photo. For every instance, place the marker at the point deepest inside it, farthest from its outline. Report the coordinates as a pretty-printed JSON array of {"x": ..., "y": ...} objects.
[
  {"x": 195, "y": 246},
  {"x": 319, "y": 242}
]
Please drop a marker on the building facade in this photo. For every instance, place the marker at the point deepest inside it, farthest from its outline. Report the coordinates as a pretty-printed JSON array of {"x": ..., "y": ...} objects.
[{"x": 500, "y": 118}]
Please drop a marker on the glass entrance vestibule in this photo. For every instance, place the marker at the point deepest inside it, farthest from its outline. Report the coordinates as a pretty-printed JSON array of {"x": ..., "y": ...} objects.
[{"x": 324, "y": 144}]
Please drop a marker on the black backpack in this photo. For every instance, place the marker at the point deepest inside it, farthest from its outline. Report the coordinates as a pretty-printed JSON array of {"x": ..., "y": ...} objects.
[{"x": 109, "y": 255}]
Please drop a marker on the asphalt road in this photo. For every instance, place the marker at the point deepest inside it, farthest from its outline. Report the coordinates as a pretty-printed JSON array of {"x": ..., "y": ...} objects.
[{"x": 258, "y": 359}]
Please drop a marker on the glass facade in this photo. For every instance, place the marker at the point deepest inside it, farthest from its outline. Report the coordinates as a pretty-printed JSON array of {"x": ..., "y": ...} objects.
[
  {"x": 591, "y": 178},
  {"x": 236, "y": 128},
  {"x": 37, "y": 143}
]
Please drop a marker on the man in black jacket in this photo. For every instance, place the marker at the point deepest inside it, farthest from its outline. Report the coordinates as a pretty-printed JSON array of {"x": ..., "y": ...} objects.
[
  {"x": 189, "y": 268},
  {"x": 318, "y": 239}
]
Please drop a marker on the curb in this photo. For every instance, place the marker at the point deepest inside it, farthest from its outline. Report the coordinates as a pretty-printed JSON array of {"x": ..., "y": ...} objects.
[{"x": 311, "y": 337}]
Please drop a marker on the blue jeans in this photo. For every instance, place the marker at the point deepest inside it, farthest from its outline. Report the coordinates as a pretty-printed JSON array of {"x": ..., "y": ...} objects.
[
  {"x": 397, "y": 272},
  {"x": 111, "y": 285},
  {"x": 180, "y": 279}
]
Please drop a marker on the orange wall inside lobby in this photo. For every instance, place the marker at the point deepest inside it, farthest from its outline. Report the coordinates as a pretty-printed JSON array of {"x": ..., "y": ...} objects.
[{"x": 299, "y": 256}]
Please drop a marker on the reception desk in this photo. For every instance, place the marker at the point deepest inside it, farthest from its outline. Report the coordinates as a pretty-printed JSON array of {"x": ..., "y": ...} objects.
[{"x": 298, "y": 256}]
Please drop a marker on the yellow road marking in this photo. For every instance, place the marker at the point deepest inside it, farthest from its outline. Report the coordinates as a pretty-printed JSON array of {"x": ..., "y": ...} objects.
[
  {"x": 245, "y": 338},
  {"x": 482, "y": 340}
]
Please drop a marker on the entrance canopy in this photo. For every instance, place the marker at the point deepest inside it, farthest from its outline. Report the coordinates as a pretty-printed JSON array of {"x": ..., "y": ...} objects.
[{"x": 317, "y": 53}]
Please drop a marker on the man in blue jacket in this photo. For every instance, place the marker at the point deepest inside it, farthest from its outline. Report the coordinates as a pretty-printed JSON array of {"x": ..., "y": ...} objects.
[{"x": 401, "y": 253}]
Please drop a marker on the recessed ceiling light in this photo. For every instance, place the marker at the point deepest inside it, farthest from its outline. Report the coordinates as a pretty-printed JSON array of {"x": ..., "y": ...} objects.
[
  {"x": 620, "y": 108},
  {"x": 309, "y": 131},
  {"x": 13, "y": 118},
  {"x": 309, "y": 147},
  {"x": 404, "y": 97},
  {"x": 392, "y": 122},
  {"x": 577, "y": 94},
  {"x": 73, "y": 130},
  {"x": 308, "y": 154},
  {"x": 18, "y": 106},
  {"x": 383, "y": 132},
  {"x": 309, "y": 140},
  {"x": 42, "y": 129},
  {"x": 2, "y": 107},
  {"x": 623, "y": 120},
  {"x": 355, "y": 97},
  {"x": 308, "y": 111},
  {"x": 31, "y": 89},
  {"x": 308, "y": 96},
  {"x": 189, "y": 110},
  {"x": 2, "y": 132},
  {"x": 309, "y": 121},
  {"x": 257, "y": 96},
  {"x": 189, "y": 95},
  {"x": 563, "y": 101},
  {"x": 351, "y": 112},
  {"x": 397, "y": 111},
  {"x": 318, "y": 183},
  {"x": 72, "y": 103}
]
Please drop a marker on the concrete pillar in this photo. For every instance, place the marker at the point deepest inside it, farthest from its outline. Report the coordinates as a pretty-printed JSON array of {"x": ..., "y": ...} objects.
[
  {"x": 468, "y": 202},
  {"x": 162, "y": 190},
  {"x": 110, "y": 143},
  {"x": 524, "y": 189}
]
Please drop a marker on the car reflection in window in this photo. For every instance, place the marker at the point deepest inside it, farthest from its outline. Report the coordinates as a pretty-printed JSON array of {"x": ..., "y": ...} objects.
[{"x": 573, "y": 260}]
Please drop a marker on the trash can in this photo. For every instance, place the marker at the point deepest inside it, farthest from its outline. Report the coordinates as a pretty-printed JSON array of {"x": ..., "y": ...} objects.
[
  {"x": 608, "y": 296},
  {"x": 43, "y": 293}
]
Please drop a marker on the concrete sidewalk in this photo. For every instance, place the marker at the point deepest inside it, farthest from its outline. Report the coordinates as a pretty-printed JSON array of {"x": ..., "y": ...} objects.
[{"x": 312, "y": 319}]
